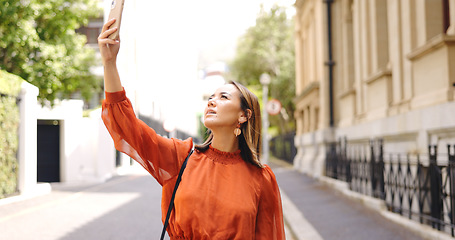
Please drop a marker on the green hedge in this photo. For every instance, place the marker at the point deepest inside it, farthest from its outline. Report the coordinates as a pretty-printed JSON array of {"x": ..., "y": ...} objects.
[{"x": 10, "y": 86}]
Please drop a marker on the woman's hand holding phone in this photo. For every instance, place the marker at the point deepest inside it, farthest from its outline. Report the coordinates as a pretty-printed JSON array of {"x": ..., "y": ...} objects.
[{"x": 109, "y": 48}]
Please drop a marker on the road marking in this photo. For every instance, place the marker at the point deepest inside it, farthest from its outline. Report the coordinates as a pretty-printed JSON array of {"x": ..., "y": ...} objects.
[{"x": 68, "y": 198}]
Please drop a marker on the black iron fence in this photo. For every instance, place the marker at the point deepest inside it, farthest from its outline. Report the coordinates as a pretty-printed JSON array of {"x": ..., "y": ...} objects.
[
  {"x": 420, "y": 187},
  {"x": 283, "y": 147}
]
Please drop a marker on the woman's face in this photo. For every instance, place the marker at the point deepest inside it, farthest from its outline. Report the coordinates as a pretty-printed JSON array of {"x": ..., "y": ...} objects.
[{"x": 223, "y": 108}]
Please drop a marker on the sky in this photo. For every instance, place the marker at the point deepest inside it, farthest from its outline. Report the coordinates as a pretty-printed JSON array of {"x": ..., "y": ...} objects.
[
  {"x": 211, "y": 27},
  {"x": 222, "y": 22},
  {"x": 166, "y": 43}
]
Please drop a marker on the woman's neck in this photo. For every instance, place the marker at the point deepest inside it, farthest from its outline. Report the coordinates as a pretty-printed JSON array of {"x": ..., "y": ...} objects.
[{"x": 225, "y": 142}]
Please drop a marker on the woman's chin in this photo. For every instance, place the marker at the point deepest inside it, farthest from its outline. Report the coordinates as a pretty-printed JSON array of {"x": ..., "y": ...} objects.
[{"x": 209, "y": 124}]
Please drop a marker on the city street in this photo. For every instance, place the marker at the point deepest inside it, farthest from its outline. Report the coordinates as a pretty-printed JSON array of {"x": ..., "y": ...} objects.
[
  {"x": 128, "y": 207},
  {"x": 125, "y": 207},
  {"x": 350, "y": 103}
]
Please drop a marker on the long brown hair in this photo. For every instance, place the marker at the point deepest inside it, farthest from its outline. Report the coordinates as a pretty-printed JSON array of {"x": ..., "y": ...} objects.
[{"x": 250, "y": 138}]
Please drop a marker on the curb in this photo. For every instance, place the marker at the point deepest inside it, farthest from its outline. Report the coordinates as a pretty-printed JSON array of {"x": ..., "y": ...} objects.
[
  {"x": 39, "y": 190},
  {"x": 43, "y": 188},
  {"x": 295, "y": 222}
]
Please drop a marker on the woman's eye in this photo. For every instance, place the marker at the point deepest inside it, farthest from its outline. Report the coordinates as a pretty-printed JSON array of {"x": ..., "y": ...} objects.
[{"x": 223, "y": 96}]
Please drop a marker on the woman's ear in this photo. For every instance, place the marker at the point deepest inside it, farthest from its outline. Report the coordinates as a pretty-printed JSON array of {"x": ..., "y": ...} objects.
[
  {"x": 249, "y": 113},
  {"x": 245, "y": 116}
]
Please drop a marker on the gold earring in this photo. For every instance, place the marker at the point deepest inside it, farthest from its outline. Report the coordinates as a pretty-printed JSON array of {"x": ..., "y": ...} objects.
[{"x": 237, "y": 131}]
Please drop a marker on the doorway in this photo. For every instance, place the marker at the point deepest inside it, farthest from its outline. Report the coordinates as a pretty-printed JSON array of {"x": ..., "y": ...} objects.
[{"x": 48, "y": 148}]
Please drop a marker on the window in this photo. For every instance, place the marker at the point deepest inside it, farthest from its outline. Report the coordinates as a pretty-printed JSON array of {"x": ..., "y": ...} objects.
[{"x": 92, "y": 30}]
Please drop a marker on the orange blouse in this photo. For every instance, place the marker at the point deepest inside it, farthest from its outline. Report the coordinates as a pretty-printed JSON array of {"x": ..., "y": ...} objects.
[{"x": 220, "y": 197}]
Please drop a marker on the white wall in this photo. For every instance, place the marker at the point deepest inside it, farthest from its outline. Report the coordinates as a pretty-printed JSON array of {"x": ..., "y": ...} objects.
[
  {"x": 27, "y": 153},
  {"x": 87, "y": 151}
]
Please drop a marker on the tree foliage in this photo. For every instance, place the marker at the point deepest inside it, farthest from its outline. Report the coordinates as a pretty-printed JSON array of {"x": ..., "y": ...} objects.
[
  {"x": 268, "y": 47},
  {"x": 39, "y": 43}
]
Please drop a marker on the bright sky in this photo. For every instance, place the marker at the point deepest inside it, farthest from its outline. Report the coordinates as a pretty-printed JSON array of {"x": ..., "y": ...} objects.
[
  {"x": 221, "y": 22},
  {"x": 165, "y": 42},
  {"x": 212, "y": 26}
]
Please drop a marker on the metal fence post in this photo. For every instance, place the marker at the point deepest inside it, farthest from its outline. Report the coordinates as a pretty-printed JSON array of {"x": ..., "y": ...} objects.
[
  {"x": 372, "y": 168},
  {"x": 380, "y": 170},
  {"x": 451, "y": 172},
  {"x": 333, "y": 160},
  {"x": 421, "y": 185},
  {"x": 344, "y": 156},
  {"x": 435, "y": 188}
]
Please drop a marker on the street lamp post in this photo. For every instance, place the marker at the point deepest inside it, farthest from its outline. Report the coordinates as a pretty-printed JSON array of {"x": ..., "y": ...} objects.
[{"x": 265, "y": 81}]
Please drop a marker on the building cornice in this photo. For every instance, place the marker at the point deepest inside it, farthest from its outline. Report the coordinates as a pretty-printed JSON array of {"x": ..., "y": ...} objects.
[
  {"x": 308, "y": 89},
  {"x": 432, "y": 44},
  {"x": 346, "y": 92},
  {"x": 381, "y": 73}
]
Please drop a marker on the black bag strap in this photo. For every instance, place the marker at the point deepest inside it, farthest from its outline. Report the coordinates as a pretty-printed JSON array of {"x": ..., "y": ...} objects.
[{"x": 171, "y": 204}]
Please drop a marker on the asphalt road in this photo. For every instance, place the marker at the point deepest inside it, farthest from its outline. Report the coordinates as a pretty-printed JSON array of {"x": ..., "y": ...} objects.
[{"x": 125, "y": 207}]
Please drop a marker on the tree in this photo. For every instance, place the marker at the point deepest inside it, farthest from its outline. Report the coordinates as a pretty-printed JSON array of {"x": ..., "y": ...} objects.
[
  {"x": 39, "y": 43},
  {"x": 268, "y": 47}
]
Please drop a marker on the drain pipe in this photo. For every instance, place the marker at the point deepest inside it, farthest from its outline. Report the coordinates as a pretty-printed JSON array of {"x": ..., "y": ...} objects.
[
  {"x": 330, "y": 63},
  {"x": 330, "y": 138}
]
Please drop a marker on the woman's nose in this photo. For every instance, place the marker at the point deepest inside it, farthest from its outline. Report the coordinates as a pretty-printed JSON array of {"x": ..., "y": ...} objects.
[{"x": 211, "y": 103}]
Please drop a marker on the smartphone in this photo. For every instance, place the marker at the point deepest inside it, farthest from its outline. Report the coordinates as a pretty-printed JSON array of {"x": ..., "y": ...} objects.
[{"x": 116, "y": 12}]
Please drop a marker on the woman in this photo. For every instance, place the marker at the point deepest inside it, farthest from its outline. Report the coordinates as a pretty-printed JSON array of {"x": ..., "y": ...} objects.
[{"x": 226, "y": 192}]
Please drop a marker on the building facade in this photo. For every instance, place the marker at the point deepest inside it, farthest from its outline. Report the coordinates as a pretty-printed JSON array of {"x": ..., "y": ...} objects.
[{"x": 373, "y": 69}]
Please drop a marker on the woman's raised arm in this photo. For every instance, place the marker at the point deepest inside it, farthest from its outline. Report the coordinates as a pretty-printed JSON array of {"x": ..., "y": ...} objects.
[{"x": 109, "y": 49}]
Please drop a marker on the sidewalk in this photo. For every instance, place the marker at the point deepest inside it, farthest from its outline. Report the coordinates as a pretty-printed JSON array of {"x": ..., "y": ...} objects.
[{"x": 319, "y": 209}]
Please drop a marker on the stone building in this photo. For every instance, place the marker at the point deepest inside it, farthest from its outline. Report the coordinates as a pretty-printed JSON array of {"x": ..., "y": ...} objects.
[{"x": 368, "y": 69}]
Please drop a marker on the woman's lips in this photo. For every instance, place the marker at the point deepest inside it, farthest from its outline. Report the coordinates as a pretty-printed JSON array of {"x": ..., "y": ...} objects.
[{"x": 210, "y": 112}]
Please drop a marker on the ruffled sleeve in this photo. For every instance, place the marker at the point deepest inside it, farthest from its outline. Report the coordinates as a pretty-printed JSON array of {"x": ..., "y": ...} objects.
[
  {"x": 160, "y": 156},
  {"x": 269, "y": 223}
]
